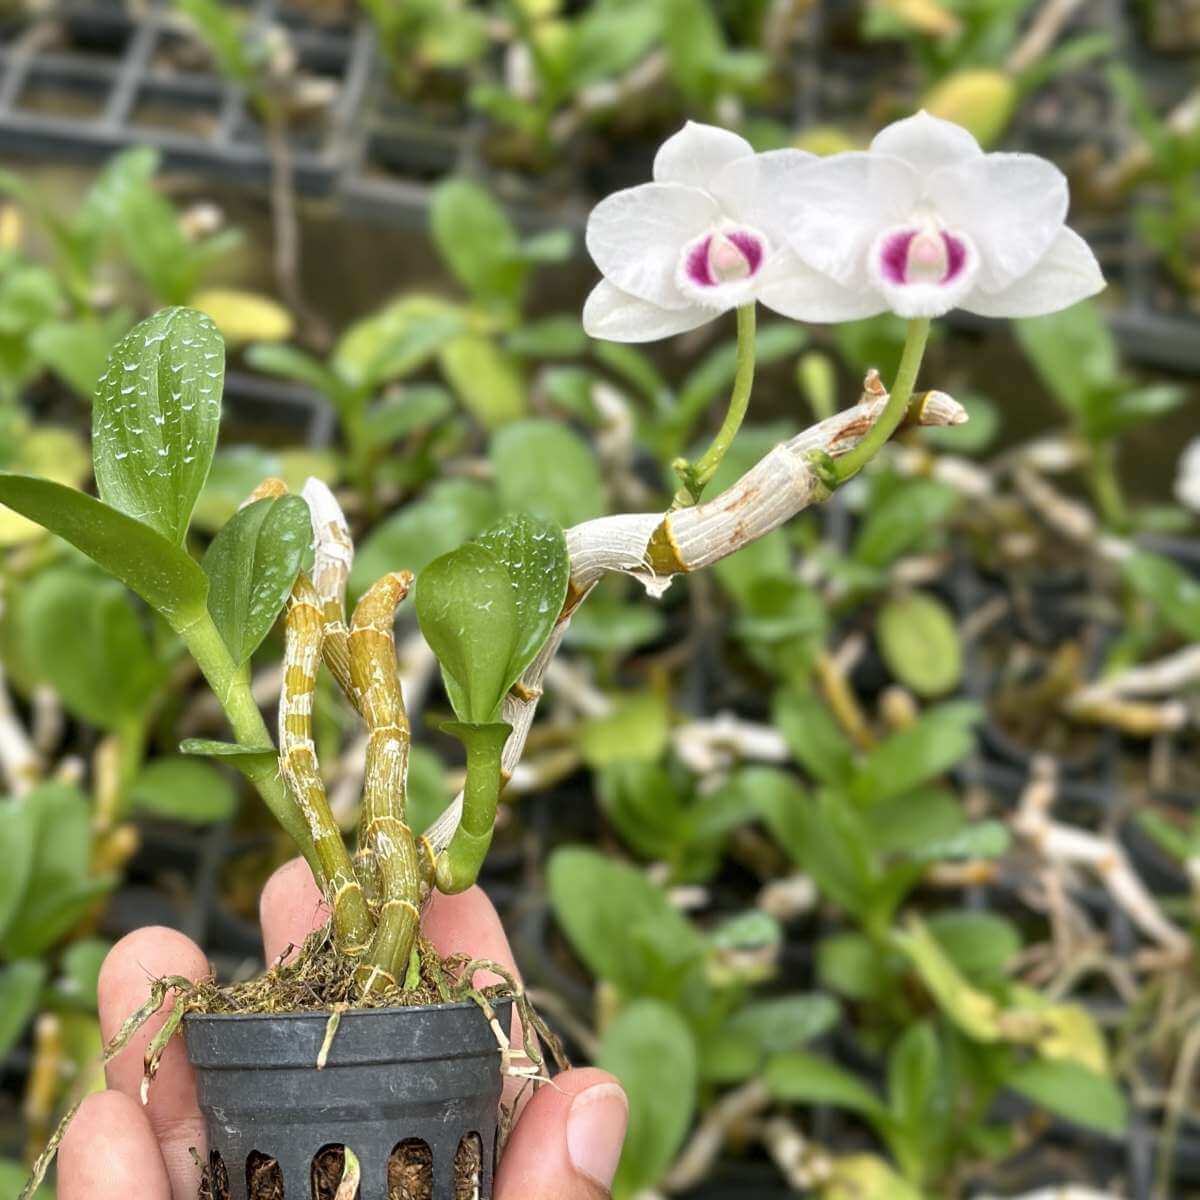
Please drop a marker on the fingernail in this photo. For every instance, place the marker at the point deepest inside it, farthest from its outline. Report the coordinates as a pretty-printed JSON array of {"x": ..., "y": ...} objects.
[{"x": 596, "y": 1126}]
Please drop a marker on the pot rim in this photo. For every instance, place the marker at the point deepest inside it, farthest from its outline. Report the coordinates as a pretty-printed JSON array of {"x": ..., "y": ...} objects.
[{"x": 325, "y": 1013}]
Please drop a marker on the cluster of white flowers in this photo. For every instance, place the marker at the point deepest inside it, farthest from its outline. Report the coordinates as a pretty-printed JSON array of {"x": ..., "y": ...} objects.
[{"x": 922, "y": 222}]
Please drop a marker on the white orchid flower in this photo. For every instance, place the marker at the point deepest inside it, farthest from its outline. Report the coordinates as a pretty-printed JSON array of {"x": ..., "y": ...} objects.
[
  {"x": 925, "y": 222},
  {"x": 708, "y": 235}
]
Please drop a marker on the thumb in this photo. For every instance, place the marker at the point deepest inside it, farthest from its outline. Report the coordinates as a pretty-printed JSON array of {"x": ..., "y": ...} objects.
[{"x": 567, "y": 1144}]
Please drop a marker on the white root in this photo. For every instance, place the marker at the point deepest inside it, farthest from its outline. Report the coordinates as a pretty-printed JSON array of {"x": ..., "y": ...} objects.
[
  {"x": 1064, "y": 846},
  {"x": 731, "y": 1110},
  {"x": 654, "y": 547},
  {"x": 714, "y": 745}
]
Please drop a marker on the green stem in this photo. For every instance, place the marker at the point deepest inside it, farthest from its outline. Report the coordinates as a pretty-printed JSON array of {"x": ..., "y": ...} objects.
[
  {"x": 1106, "y": 488},
  {"x": 232, "y": 690},
  {"x": 696, "y": 475},
  {"x": 889, "y": 420},
  {"x": 458, "y": 865}
]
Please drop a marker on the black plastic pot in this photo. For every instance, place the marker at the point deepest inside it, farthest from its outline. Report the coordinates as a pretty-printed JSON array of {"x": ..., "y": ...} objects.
[{"x": 430, "y": 1073}]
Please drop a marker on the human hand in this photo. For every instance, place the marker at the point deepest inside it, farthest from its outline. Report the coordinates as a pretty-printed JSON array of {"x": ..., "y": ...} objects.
[{"x": 565, "y": 1145}]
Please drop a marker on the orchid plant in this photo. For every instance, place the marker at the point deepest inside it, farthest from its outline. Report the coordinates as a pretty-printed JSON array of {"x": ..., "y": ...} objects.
[{"x": 921, "y": 223}]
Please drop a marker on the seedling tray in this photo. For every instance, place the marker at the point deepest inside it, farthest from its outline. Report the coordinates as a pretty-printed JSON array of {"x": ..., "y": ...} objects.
[{"x": 87, "y": 78}]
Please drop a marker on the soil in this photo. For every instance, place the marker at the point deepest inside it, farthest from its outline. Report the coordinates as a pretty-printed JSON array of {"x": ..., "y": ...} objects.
[{"x": 410, "y": 1174}]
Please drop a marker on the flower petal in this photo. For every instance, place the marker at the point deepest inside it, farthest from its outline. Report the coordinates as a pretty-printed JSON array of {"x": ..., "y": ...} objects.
[
  {"x": 795, "y": 290},
  {"x": 617, "y": 316},
  {"x": 836, "y": 207},
  {"x": 636, "y": 236},
  {"x": 754, "y": 190},
  {"x": 1013, "y": 205},
  {"x": 697, "y": 153},
  {"x": 914, "y": 294},
  {"x": 926, "y": 142},
  {"x": 1066, "y": 274}
]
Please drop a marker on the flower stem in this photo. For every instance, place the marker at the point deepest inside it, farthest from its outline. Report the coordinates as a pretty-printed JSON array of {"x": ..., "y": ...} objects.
[
  {"x": 897, "y": 405},
  {"x": 695, "y": 476}
]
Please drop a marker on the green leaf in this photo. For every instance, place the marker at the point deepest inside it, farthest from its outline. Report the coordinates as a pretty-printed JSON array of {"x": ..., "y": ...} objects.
[
  {"x": 398, "y": 415},
  {"x": 18, "y": 837},
  {"x": 449, "y": 513},
  {"x": 251, "y": 566},
  {"x": 981, "y": 945},
  {"x": 619, "y": 923},
  {"x": 973, "y": 1011},
  {"x": 646, "y": 1044},
  {"x": 467, "y": 611},
  {"x": 60, "y": 889},
  {"x": 778, "y": 799},
  {"x": 813, "y": 736},
  {"x": 155, "y": 420},
  {"x": 84, "y": 639},
  {"x": 77, "y": 350},
  {"x": 182, "y": 789},
  {"x": 1073, "y": 1092},
  {"x": 983, "y": 839},
  {"x": 911, "y": 821},
  {"x": 80, "y": 965},
  {"x": 768, "y": 1027},
  {"x": 939, "y": 739},
  {"x": 394, "y": 342},
  {"x": 1173, "y": 590},
  {"x": 800, "y": 1078},
  {"x": 919, "y": 641},
  {"x": 167, "y": 578},
  {"x": 636, "y": 729},
  {"x": 21, "y": 985},
  {"x": 544, "y": 468},
  {"x": 477, "y": 242},
  {"x": 906, "y": 515},
  {"x": 290, "y": 363},
  {"x": 912, "y": 1076},
  {"x": 552, "y": 337},
  {"x": 534, "y": 552},
  {"x": 485, "y": 378},
  {"x": 256, "y": 763},
  {"x": 850, "y": 963},
  {"x": 553, "y": 245},
  {"x": 1074, "y": 353}
]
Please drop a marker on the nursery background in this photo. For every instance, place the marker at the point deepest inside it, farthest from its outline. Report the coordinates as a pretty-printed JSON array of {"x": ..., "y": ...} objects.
[{"x": 870, "y": 860}]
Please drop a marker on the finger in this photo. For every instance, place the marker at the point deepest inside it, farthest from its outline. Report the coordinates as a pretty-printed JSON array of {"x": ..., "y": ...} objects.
[
  {"x": 291, "y": 907},
  {"x": 110, "y": 1153},
  {"x": 125, "y": 979},
  {"x": 567, "y": 1144}
]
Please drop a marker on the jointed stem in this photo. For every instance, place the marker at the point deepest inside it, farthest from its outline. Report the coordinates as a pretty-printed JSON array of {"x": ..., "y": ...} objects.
[
  {"x": 696, "y": 475},
  {"x": 889, "y": 420},
  {"x": 386, "y": 843},
  {"x": 298, "y": 762}
]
